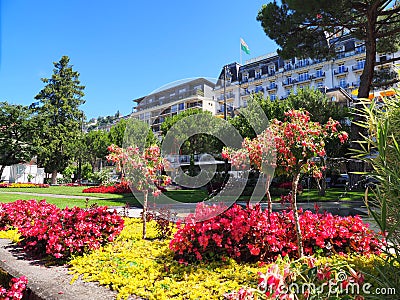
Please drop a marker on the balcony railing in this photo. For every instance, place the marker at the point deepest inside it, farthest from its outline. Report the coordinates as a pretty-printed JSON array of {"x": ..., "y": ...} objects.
[
  {"x": 272, "y": 86},
  {"x": 357, "y": 67},
  {"x": 343, "y": 86},
  {"x": 319, "y": 75},
  {"x": 341, "y": 71},
  {"x": 305, "y": 78},
  {"x": 289, "y": 82}
]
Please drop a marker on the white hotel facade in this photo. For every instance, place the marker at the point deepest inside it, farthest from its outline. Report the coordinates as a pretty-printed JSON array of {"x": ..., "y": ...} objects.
[{"x": 271, "y": 75}]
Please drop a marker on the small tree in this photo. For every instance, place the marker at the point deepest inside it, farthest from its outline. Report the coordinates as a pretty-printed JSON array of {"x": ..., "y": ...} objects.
[
  {"x": 142, "y": 169},
  {"x": 296, "y": 142}
]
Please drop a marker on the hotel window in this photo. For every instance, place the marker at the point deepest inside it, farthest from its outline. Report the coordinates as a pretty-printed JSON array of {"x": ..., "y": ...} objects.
[
  {"x": 271, "y": 69},
  {"x": 272, "y": 97},
  {"x": 174, "y": 108},
  {"x": 320, "y": 84},
  {"x": 182, "y": 91},
  {"x": 303, "y": 76},
  {"x": 181, "y": 106},
  {"x": 343, "y": 83},
  {"x": 245, "y": 77},
  {"x": 288, "y": 65},
  {"x": 360, "y": 64},
  {"x": 319, "y": 73},
  {"x": 258, "y": 73},
  {"x": 342, "y": 69}
]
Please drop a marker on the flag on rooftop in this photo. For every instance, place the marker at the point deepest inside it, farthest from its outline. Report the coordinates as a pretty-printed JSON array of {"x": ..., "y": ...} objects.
[{"x": 244, "y": 46}]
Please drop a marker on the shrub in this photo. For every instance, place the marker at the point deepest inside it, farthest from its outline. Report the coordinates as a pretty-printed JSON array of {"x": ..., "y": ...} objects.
[
  {"x": 46, "y": 229},
  {"x": 248, "y": 235}
]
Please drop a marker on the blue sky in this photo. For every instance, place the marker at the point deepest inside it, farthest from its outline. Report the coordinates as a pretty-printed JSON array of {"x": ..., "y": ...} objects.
[{"x": 122, "y": 49}]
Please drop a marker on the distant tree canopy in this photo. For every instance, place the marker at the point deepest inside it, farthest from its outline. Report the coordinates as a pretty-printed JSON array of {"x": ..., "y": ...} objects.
[
  {"x": 310, "y": 29},
  {"x": 314, "y": 101}
]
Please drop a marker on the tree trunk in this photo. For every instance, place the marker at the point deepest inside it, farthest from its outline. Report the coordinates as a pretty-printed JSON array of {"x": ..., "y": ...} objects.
[
  {"x": 295, "y": 183},
  {"x": 269, "y": 200},
  {"x": 370, "y": 54},
  {"x": 1, "y": 171},
  {"x": 54, "y": 177},
  {"x": 144, "y": 213}
]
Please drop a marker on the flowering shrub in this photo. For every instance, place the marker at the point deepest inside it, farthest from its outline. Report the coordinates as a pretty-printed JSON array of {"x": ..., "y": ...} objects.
[
  {"x": 46, "y": 229},
  {"x": 142, "y": 168},
  {"x": 16, "y": 291},
  {"x": 119, "y": 188},
  {"x": 24, "y": 185},
  {"x": 305, "y": 278},
  {"x": 248, "y": 235}
]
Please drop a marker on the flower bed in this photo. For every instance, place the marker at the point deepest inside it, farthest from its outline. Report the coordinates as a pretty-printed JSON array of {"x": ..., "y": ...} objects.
[
  {"x": 44, "y": 228},
  {"x": 147, "y": 268},
  {"x": 24, "y": 185},
  {"x": 119, "y": 188},
  {"x": 250, "y": 235},
  {"x": 16, "y": 290}
]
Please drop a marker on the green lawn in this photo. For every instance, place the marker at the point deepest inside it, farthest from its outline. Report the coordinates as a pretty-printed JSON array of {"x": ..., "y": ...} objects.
[{"x": 186, "y": 196}]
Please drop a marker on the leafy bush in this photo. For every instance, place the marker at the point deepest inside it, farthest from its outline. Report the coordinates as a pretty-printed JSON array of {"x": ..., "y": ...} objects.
[
  {"x": 46, "y": 229},
  {"x": 248, "y": 235}
]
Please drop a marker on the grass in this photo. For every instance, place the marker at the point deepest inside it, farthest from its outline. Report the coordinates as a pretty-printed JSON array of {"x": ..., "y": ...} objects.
[{"x": 185, "y": 196}]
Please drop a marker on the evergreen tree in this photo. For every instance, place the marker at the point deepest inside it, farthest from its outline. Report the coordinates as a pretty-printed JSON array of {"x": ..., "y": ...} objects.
[{"x": 60, "y": 117}]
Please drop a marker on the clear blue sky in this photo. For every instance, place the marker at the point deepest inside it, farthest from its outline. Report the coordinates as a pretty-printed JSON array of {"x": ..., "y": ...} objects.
[{"x": 122, "y": 49}]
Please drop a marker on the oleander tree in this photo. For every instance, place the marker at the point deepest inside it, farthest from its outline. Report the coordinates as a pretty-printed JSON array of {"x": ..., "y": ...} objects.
[
  {"x": 310, "y": 29},
  {"x": 298, "y": 142},
  {"x": 142, "y": 169}
]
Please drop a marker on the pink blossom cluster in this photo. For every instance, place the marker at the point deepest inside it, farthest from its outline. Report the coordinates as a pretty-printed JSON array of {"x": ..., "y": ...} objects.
[
  {"x": 47, "y": 229},
  {"x": 246, "y": 234},
  {"x": 16, "y": 290},
  {"x": 143, "y": 168},
  {"x": 306, "y": 281}
]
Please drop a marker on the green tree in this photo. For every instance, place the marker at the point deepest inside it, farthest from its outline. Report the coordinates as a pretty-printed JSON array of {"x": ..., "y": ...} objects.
[
  {"x": 16, "y": 131},
  {"x": 311, "y": 100},
  {"x": 60, "y": 117},
  {"x": 117, "y": 132},
  {"x": 308, "y": 29},
  {"x": 95, "y": 145}
]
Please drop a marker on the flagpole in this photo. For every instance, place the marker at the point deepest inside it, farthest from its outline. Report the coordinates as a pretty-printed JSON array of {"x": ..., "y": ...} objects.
[{"x": 240, "y": 52}]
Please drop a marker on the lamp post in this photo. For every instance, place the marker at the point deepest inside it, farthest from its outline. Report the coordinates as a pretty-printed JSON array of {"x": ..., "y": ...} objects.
[{"x": 225, "y": 92}]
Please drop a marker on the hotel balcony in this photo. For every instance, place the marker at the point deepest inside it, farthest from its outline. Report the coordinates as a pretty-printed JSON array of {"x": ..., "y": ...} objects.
[
  {"x": 357, "y": 68},
  {"x": 307, "y": 78},
  {"x": 289, "y": 82},
  {"x": 343, "y": 86},
  {"x": 272, "y": 86},
  {"x": 302, "y": 65},
  {"x": 319, "y": 75},
  {"x": 341, "y": 71}
]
